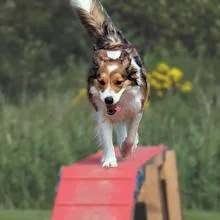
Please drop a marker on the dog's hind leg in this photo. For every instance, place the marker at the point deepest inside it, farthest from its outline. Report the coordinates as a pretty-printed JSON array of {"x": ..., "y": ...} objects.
[
  {"x": 105, "y": 137},
  {"x": 136, "y": 139},
  {"x": 131, "y": 141},
  {"x": 121, "y": 132}
]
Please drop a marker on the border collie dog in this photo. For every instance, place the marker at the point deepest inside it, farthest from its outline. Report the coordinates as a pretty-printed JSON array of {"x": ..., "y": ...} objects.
[{"x": 117, "y": 82}]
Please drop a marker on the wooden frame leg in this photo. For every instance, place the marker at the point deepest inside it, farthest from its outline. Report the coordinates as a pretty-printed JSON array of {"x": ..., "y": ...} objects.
[
  {"x": 150, "y": 194},
  {"x": 159, "y": 196},
  {"x": 170, "y": 175}
]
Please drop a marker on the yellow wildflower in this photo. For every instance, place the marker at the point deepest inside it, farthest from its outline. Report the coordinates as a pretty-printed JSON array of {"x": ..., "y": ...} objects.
[
  {"x": 160, "y": 76},
  {"x": 149, "y": 76},
  {"x": 167, "y": 84},
  {"x": 147, "y": 106},
  {"x": 154, "y": 83},
  {"x": 82, "y": 93},
  {"x": 159, "y": 93},
  {"x": 162, "y": 67},
  {"x": 186, "y": 87},
  {"x": 175, "y": 74}
]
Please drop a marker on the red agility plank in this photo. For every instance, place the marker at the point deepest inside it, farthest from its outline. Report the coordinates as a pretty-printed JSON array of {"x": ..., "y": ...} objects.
[
  {"x": 87, "y": 191},
  {"x": 84, "y": 193},
  {"x": 93, "y": 213}
]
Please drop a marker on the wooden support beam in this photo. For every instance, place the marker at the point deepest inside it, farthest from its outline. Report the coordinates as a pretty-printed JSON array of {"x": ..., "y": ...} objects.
[
  {"x": 150, "y": 194},
  {"x": 159, "y": 196},
  {"x": 169, "y": 174}
]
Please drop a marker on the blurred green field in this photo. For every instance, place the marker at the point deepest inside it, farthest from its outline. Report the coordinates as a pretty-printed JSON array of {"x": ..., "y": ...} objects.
[
  {"x": 42, "y": 134},
  {"x": 45, "y": 215}
]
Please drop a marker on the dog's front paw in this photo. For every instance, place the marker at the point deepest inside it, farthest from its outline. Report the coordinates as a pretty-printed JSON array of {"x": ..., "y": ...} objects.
[{"x": 109, "y": 162}]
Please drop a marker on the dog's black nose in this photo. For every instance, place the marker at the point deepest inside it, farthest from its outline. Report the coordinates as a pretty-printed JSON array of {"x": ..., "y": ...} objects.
[{"x": 109, "y": 100}]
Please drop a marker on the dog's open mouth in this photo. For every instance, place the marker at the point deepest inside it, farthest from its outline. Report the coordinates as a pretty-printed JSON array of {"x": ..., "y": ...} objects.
[{"x": 112, "y": 109}]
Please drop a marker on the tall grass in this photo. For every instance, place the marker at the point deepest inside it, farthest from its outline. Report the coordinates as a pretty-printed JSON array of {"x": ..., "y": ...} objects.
[
  {"x": 34, "y": 141},
  {"x": 38, "y": 137}
]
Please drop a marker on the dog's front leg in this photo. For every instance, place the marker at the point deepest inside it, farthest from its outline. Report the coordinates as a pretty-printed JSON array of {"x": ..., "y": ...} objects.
[
  {"x": 131, "y": 141},
  {"x": 105, "y": 136}
]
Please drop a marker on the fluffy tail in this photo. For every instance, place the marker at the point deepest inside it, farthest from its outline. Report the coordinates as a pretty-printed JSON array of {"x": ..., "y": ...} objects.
[{"x": 98, "y": 24}]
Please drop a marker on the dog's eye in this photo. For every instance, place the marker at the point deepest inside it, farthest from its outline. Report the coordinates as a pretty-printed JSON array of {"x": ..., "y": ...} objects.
[
  {"x": 102, "y": 82},
  {"x": 118, "y": 83}
]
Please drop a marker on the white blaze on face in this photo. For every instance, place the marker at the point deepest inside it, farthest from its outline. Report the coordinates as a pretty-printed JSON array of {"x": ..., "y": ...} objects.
[
  {"x": 111, "y": 93},
  {"x": 115, "y": 54},
  {"x": 138, "y": 68}
]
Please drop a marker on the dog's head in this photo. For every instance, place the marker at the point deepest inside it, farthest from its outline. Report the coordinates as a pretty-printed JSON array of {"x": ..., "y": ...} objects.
[{"x": 115, "y": 71}]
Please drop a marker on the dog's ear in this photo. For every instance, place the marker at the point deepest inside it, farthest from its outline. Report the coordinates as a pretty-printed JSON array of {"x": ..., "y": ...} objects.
[
  {"x": 124, "y": 59},
  {"x": 99, "y": 57},
  {"x": 135, "y": 71}
]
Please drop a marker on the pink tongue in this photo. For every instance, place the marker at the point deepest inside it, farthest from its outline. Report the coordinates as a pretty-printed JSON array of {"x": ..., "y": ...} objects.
[{"x": 117, "y": 108}]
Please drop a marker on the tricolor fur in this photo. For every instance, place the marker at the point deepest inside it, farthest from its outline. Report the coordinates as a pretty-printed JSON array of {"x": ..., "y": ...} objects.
[{"x": 117, "y": 83}]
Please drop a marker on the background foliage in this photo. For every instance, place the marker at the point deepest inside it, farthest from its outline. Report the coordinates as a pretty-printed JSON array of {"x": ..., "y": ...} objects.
[
  {"x": 37, "y": 38},
  {"x": 44, "y": 115}
]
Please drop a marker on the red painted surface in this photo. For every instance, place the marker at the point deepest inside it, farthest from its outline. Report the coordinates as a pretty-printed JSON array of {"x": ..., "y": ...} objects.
[{"x": 89, "y": 192}]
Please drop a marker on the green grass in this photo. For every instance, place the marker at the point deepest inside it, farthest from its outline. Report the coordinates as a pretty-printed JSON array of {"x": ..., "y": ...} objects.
[
  {"x": 24, "y": 215},
  {"x": 45, "y": 215},
  {"x": 201, "y": 215}
]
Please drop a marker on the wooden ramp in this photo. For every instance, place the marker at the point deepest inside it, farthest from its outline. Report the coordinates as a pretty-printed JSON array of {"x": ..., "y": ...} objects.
[{"x": 133, "y": 190}]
